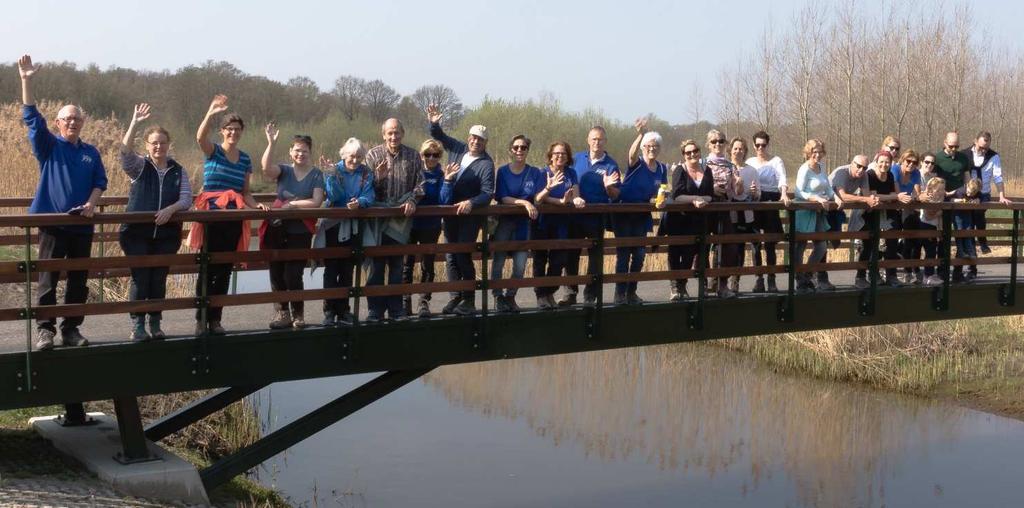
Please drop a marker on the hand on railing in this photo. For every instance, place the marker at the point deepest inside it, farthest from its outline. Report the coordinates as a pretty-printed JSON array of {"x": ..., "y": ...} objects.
[
  {"x": 464, "y": 207},
  {"x": 353, "y": 204},
  {"x": 408, "y": 208},
  {"x": 904, "y": 198}
]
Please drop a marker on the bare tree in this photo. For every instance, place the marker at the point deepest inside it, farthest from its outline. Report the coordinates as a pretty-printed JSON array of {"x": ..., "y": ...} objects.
[
  {"x": 762, "y": 86},
  {"x": 379, "y": 99},
  {"x": 445, "y": 98},
  {"x": 696, "y": 106},
  {"x": 348, "y": 92},
  {"x": 803, "y": 57}
]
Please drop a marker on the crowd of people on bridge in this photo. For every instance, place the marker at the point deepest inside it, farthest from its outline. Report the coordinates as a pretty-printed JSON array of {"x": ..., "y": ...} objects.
[{"x": 393, "y": 174}]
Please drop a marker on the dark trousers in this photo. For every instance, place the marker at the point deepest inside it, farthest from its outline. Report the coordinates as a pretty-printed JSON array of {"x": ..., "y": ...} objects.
[
  {"x": 767, "y": 221},
  {"x": 978, "y": 222},
  {"x": 381, "y": 269},
  {"x": 459, "y": 266},
  {"x": 287, "y": 275},
  {"x": 930, "y": 246},
  {"x": 965, "y": 247},
  {"x": 728, "y": 254},
  {"x": 910, "y": 248},
  {"x": 629, "y": 259},
  {"x": 589, "y": 227},
  {"x": 547, "y": 263},
  {"x": 421, "y": 236},
  {"x": 891, "y": 250},
  {"x": 337, "y": 273},
  {"x": 219, "y": 237},
  {"x": 682, "y": 257},
  {"x": 148, "y": 282},
  {"x": 59, "y": 244}
]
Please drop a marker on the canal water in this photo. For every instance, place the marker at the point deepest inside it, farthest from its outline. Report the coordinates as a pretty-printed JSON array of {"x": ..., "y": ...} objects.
[{"x": 678, "y": 425}]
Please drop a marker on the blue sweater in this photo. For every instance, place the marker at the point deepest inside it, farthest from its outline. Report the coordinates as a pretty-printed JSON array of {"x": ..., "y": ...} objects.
[
  {"x": 432, "y": 180},
  {"x": 342, "y": 186},
  {"x": 68, "y": 172}
]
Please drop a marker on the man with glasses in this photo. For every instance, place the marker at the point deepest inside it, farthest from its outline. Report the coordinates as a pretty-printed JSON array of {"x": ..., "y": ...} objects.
[
  {"x": 954, "y": 166},
  {"x": 850, "y": 184},
  {"x": 71, "y": 180},
  {"x": 987, "y": 167},
  {"x": 598, "y": 176},
  {"x": 468, "y": 184},
  {"x": 397, "y": 182}
]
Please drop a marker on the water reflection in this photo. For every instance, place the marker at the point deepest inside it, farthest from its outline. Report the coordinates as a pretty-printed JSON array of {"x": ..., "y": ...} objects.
[{"x": 702, "y": 411}]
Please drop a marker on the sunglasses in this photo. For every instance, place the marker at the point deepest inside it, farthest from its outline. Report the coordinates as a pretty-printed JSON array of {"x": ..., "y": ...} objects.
[
  {"x": 858, "y": 165},
  {"x": 519, "y": 148},
  {"x": 690, "y": 153},
  {"x": 894, "y": 147},
  {"x": 760, "y": 145},
  {"x": 717, "y": 141},
  {"x": 912, "y": 161},
  {"x": 952, "y": 147},
  {"x": 431, "y": 155},
  {"x": 928, "y": 162}
]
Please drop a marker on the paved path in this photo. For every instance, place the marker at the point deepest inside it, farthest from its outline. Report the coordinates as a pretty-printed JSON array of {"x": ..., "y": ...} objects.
[{"x": 181, "y": 323}]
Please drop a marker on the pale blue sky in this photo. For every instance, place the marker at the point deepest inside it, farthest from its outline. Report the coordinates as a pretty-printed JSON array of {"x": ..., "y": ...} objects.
[{"x": 623, "y": 57}]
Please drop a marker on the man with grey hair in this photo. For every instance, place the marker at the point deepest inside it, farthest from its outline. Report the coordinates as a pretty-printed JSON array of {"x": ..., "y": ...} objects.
[
  {"x": 71, "y": 180},
  {"x": 397, "y": 182},
  {"x": 850, "y": 183}
]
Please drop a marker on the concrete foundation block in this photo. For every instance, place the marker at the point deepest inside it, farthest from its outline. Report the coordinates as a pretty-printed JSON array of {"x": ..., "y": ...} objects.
[{"x": 168, "y": 478}]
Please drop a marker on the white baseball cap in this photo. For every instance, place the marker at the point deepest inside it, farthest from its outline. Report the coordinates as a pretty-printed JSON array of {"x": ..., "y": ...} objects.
[{"x": 479, "y": 131}]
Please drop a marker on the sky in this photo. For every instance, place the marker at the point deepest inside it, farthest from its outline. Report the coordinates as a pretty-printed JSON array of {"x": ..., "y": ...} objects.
[{"x": 625, "y": 58}]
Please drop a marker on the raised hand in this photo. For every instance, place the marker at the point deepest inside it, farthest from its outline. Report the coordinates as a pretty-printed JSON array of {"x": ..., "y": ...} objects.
[
  {"x": 555, "y": 180},
  {"x": 641, "y": 125},
  {"x": 272, "y": 133},
  {"x": 326, "y": 165},
  {"x": 25, "y": 67},
  {"x": 140, "y": 113},
  {"x": 383, "y": 170},
  {"x": 611, "y": 179},
  {"x": 218, "y": 105},
  {"x": 451, "y": 170},
  {"x": 434, "y": 113}
]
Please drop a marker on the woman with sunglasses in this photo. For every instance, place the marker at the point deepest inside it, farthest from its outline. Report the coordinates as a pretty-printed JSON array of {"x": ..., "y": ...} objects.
[
  {"x": 561, "y": 189},
  {"x": 517, "y": 183},
  {"x": 726, "y": 181},
  {"x": 645, "y": 175},
  {"x": 882, "y": 183},
  {"x": 908, "y": 180},
  {"x": 747, "y": 190},
  {"x": 299, "y": 185},
  {"x": 771, "y": 180},
  {"x": 425, "y": 230},
  {"x": 691, "y": 183},
  {"x": 812, "y": 185}
]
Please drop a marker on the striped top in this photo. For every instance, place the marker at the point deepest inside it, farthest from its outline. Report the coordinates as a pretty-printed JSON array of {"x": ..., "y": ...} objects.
[{"x": 220, "y": 174}]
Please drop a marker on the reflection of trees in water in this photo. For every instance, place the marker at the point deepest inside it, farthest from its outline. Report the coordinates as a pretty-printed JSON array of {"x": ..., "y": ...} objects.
[{"x": 699, "y": 409}]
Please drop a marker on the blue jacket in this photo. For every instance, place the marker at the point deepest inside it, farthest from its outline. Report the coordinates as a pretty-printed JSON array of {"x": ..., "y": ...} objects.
[
  {"x": 475, "y": 183},
  {"x": 432, "y": 183},
  {"x": 68, "y": 172},
  {"x": 342, "y": 186}
]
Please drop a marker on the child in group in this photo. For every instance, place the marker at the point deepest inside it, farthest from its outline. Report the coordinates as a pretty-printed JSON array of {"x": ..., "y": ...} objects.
[
  {"x": 931, "y": 220},
  {"x": 962, "y": 220}
]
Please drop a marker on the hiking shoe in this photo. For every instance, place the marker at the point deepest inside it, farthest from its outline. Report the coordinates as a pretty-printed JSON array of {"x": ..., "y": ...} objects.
[
  {"x": 734, "y": 284},
  {"x": 589, "y": 300},
  {"x": 346, "y": 318},
  {"x": 772, "y": 288},
  {"x": 298, "y": 322},
  {"x": 154, "y": 330},
  {"x": 724, "y": 292},
  {"x": 512, "y": 305},
  {"x": 282, "y": 320},
  {"x": 824, "y": 285},
  {"x": 985, "y": 249},
  {"x": 449, "y": 308},
  {"x": 933, "y": 280},
  {"x": 758, "y": 285},
  {"x": 329, "y": 319},
  {"x": 805, "y": 288},
  {"x": 44, "y": 339},
  {"x": 893, "y": 282},
  {"x": 424, "y": 309},
  {"x": 971, "y": 276},
  {"x": 501, "y": 304},
  {"x": 465, "y": 308},
  {"x": 216, "y": 328},
  {"x": 546, "y": 302},
  {"x": 73, "y": 338},
  {"x": 861, "y": 283},
  {"x": 634, "y": 299},
  {"x": 372, "y": 317},
  {"x": 620, "y": 299},
  {"x": 568, "y": 300},
  {"x": 139, "y": 333}
]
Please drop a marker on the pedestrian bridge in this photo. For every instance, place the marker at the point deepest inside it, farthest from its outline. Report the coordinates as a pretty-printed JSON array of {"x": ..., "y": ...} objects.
[{"x": 250, "y": 356}]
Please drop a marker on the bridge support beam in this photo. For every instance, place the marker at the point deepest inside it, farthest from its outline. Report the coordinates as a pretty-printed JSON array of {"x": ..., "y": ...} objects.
[
  {"x": 197, "y": 410},
  {"x": 129, "y": 425},
  {"x": 283, "y": 438}
]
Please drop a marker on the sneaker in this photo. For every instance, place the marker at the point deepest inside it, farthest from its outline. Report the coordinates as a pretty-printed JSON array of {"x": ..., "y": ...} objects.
[
  {"x": 634, "y": 299},
  {"x": 568, "y": 300},
  {"x": 589, "y": 300},
  {"x": 513, "y": 306},
  {"x": 501, "y": 304},
  {"x": 804, "y": 288},
  {"x": 73, "y": 338},
  {"x": 216, "y": 328},
  {"x": 329, "y": 319},
  {"x": 44, "y": 339},
  {"x": 400, "y": 317},
  {"x": 759, "y": 285},
  {"x": 772, "y": 288},
  {"x": 424, "y": 309},
  {"x": 970, "y": 276},
  {"x": 449, "y": 308},
  {"x": 824, "y": 285},
  {"x": 919, "y": 278},
  {"x": 201, "y": 329},
  {"x": 139, "y": 333},
  {"x": 674, "y": 295},
  {"x": 985, "y": 249},
  {"x": 620, "y": 299},
  {"x": 861, "y": 283},
  {"x": 907, "y": 278},
  {"x": 893, "y": 282},
  {"x": 465, "y": 308},
  {"x": 298, "y": 322},
  {"x": 724, "y": 292},
  {"x": 346, "y": 318},
  {"x": 282, "y": 320},
  {"x": 958, "y": 278},
  {"x": 372, "y": 317},
  {"x": 734, "y": 284},
  {"x": 545, "y": 302},
  {"x": 154, "y": 330},
  {"x": 933, "y": 280}
]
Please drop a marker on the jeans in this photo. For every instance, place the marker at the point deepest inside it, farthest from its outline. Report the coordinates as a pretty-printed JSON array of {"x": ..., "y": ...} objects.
[
  {"x": 505, "y": 232},
  {"x": 548, "y": 263},
  {"x": 459, "y": 266},
  {"x": 379, "y": 268},
  {"x": 422, "y": 236},
  {"x": 589, "y": 227},
  {"x": 287, "y": 275},
  {"x": 818, "y": 250},
  {"x": 56, "y": 243},
  {"x": 930, "y": 247},
  {"x": 629, "y": 259},
  {"x": 219, "y": 237},
  {"x": 148, "y": 282},
  {"x": 978, "y": 221},
  {"x": 337, "y": 274},
  {"x": 963, "y": 221}
]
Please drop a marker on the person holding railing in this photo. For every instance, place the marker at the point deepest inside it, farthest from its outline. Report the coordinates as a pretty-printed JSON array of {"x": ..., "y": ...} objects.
[
  {"x": 468, "y": 184},
  {"x": 726, "y": 180},
  {"x": 226, "y": 173},
  {"x": 747, "y": 190},
  {"x": 645, "y": 175},
  {"x": 517, "y": 184},
  {"x": 883, "y": 185},
  {"x": 71, "y": 180},
  {"x": 159, "y": 185},
  {"x": 954, "y": 167},
  {"x": 560, "y": 188},
  {"x": 693, "y": 183},
  {"x": 771, "y": 179},
  {"x": 931, "y": 220},
  {"x": 908, "y": 181},
  {"x": 347, "y": 185},
  {"x": 850, "y": 185},
  {"x": 299, "y": 185},
  {"x": 987, "y": 166},
  {"x": 812, "y": 185},
  {"x": 425, "y": 230},
  {"x": 599, "y": 177}
]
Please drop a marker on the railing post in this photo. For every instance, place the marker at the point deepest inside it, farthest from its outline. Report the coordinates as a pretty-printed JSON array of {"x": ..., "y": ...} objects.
[
  {"x": 480, "y": 322},
  {"x": 785, "y": 310},
  {"x": 868, "y": 296},
  {"x": 28, "y": 310},
  {"x": 357, "y": 259},
  {"x": 594, "y": 317},
  {"x": 202, "y": 299},
  {"x": 103, "y": 253},
  {"x": 695, "y": 310},
  {"x": 940, "y": 295},
  {"x": 1008, "y": 293}
]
